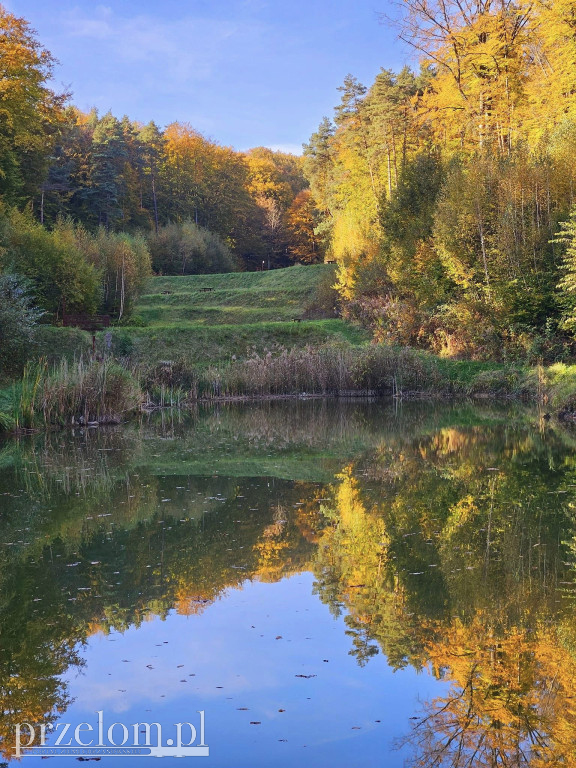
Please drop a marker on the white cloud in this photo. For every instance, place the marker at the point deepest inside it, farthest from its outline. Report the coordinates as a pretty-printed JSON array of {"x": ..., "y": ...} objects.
[
  {"x": 175, "y": 51},
  {"x": 292, "y": 149}
]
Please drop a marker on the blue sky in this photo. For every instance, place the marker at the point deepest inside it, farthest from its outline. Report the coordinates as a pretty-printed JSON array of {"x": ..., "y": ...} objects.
[{"x": 243, "y": 72}]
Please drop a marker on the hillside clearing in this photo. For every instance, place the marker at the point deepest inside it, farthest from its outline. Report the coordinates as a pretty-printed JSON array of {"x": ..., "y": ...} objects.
[{"x": 212, "y": 319}]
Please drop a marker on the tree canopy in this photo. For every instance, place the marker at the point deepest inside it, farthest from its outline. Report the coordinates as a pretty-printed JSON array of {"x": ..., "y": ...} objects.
[{"x": 441, "y": 192}]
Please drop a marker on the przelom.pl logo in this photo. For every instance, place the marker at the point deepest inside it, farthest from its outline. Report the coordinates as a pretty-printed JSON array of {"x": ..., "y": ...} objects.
[{"x": 99, "y": 739}]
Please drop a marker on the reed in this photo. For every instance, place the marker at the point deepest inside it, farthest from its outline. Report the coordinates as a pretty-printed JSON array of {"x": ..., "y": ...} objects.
[
  {"x": 25, "y": 395},
  {"x": 325, "y": 370},
  {"x": 87, "y": 391},
  {"x": 7, "y": 423},
  {"x": 169, "y": 383},
  {"x": 79, "y": 392},
  {"x": 322, "y": 371}
]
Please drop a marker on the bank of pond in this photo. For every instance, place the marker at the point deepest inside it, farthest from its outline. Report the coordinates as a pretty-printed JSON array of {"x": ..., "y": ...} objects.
[{"x": 100, "y": 390}]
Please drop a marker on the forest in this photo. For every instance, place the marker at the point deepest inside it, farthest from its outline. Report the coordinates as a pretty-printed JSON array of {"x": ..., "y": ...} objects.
[
  {"x": 91, "y": 204},
  {"x": 445, "y": 194}
]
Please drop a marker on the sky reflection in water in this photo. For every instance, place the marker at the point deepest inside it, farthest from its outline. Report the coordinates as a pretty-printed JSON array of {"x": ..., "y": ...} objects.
[{"x": 415, "y": 568}]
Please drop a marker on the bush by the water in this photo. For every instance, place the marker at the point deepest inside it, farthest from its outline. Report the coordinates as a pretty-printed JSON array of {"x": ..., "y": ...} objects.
[
  {"x": 87, "y": 391},
  {"x": 325, "y": 370},
  {"x": 72, "y": 270}
]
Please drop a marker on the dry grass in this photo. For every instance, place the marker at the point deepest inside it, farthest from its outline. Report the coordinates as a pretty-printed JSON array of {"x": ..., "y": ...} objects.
[{"x": 325, "y": 370}]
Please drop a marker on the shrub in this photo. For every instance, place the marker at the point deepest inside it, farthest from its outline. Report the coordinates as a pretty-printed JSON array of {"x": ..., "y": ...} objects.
[
  {"x": 386, "y": 369},
  {"x": 61, "y": 277},
  {"x": 18, "y": 320},
  {"x": 495, "y": 382},
  {"x": 187, "y": 249},
  {"x": 170, "y": 383},
  {"x": 122, "y": 343}
]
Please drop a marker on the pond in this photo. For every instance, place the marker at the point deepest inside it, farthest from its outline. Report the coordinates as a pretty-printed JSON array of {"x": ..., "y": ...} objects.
[{"x": 319, "y": 583}]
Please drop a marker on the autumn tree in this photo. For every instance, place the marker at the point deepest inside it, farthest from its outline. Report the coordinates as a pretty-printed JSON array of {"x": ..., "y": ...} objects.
[
  {"x": 62, "y": 279},
  {"x": 305, "y": 245},
  {"x": 187, "y": 249},
  {"x": 551, "y": 56},
  {"x": 478, "y": 52},
  {"x": 440, "y": 192},
  {"x": 274, "y": 181},
  {"x": 29, "y": 110}
]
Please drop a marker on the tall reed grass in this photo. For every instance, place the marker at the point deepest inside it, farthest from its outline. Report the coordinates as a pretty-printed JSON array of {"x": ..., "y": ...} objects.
[
  {"x": 88, "y": 391},
  {"x": 330, "y": 370},
  {"x": 326, "y": 370},
  {"x": 80, "y": 392},
  {"x": 101, "y": 391},
  {"x": 21, "y": 398}
]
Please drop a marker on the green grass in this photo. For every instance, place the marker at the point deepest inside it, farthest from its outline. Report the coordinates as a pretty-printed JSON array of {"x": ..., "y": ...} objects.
[
  {"x": 279, "y": 280},
  {"x": 245, "y": 312},
  {"x": 193, "y": 314},
  {"x": 57, "y": 343},
  {"x": 237, "y": 298},
  {"x": 205, "y": 344},
  {"x": 248, "y": 314}
]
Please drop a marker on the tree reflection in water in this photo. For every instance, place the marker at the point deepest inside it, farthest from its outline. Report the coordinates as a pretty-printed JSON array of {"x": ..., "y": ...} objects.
[{"x": 447, "y": 542}]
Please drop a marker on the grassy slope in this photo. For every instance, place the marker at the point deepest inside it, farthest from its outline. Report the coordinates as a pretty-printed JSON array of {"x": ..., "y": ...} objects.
[
  {"x": 241, "y": 298},
  {"x": 244, "y": 311},
  {"x": 255, "y": 311}
]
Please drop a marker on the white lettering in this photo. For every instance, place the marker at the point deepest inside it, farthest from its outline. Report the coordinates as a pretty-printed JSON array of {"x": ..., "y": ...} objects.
[
  {"x": 77, "y": 732},
  {"x": 179, "y": 734},
  {"x": 148, "y": 727},
  {"x": 18, "y": 737},
  {"x": 59, "y": 739},
  {"x": 111, "y": 734}
]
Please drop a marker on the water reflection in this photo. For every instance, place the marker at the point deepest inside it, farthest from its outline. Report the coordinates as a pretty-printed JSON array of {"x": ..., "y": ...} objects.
[{"x": 444, "y": 537}]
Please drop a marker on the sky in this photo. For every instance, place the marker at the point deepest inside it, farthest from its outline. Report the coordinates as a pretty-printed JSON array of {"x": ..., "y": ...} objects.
[{"x": 244, "y": 73}]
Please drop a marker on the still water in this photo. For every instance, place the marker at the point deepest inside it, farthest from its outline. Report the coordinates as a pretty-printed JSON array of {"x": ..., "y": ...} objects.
[{"x": 331, "y": 584}]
